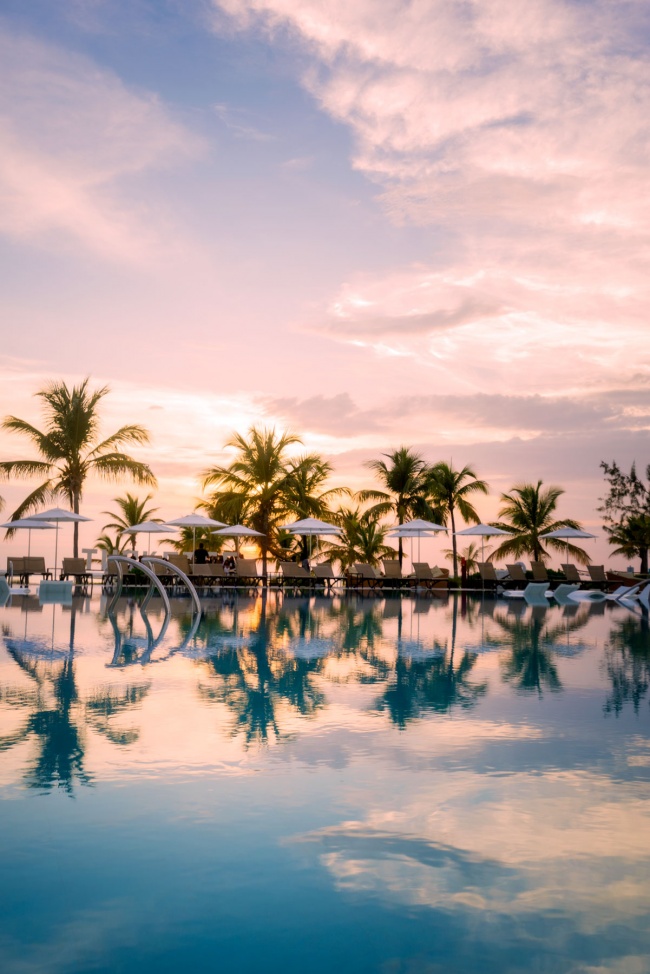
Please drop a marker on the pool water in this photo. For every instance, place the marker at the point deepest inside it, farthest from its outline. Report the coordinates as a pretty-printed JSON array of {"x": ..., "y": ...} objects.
[{"x": 393, "y": 785}]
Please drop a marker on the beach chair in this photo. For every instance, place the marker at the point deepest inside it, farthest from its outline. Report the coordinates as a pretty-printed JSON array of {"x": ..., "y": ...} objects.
[
  {"x": 538, "y": 568},
  {"x": 182, "y": 562},
  {"x": 571, "y": 574},
  {"x": 15, "y": 568},
  {"x": 364, "y": 576},
  {"x": 325, "y": 573},
  {"x": 535, "y": 593},
  {"x": 489, "y": 577},
  {"x": 34, "y": 565},
  {"x": 75, "y": 568},
  {"x": 426, "y": 577},
  {"x": 293, "y": 575},
  {"x": 209, "y": 575},
  {"x": 516, "y": 573},
  {"x": 246, "y": 572},
  {"x": 598, "y": 576},
  {"x": 393, "y": 577}
]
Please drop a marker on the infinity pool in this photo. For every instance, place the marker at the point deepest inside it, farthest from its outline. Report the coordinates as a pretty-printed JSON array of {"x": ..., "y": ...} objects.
[{"x": 351, "y": 785}]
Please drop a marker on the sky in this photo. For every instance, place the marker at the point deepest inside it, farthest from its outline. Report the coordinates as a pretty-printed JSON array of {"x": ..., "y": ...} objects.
[{"x": 379, "y": 223}]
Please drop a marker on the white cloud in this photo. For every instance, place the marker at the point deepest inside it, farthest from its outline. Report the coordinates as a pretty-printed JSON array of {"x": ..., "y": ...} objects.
[
  {"x": 71, "y": 136},
  {"x": 520, "y": 135}
]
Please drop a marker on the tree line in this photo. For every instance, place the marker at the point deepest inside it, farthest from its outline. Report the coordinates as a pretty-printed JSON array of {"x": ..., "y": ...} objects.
[{"x": 267, "y": 484}]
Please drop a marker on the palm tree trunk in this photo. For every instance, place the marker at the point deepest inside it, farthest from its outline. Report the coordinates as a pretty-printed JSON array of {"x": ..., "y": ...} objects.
[
  {"x": 75, "y": 533},
  {"x": 453, "y": 539},
  {"x": 644, "y": 560}
]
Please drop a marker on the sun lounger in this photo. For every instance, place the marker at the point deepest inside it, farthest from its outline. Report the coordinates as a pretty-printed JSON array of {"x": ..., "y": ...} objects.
[
  {"x": 571, "y": 574},
  {"x": 489, "y": 577},
  {"x": 209, "y": 575},
  {"x": 246, "y": 572},
  {"x": 393, "y": 577},
  {"x": 535, "y": 593},
  {"x": 538, "y": 569},
  {"x": 293, "y": 575},
  {"x": 15, "y": 568},
  {"x": 622, "y": 593},
  {"x": 362, "y": 575},
  {"x": 324, "y": 573},
  {"x": 562, "y": 594},
  {"x": 597, "y": 575},
  {"x": 427, "y": 577},
  {"x": 76, "y": 568},
  {"x": 517, "y": 574}
]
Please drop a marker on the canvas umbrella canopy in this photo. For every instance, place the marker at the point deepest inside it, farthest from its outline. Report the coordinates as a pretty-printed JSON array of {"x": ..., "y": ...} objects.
[
  {"x": 567, "y": 534},
  {"x": 483, "y": 531},
  {"x": 57, "y": 515},
  {"x": 195, "y": 521},
  {"x": 150, "y": 527},
  {"x": 311, "y": 527},
  {"x": 415, "y": 529},
  {"x": 238, "y": 531},
  {"x": 30, "y": 525}
]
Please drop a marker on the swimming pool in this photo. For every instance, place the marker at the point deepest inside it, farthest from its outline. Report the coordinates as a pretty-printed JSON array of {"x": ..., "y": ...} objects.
[{"x": 392, "y": 785}]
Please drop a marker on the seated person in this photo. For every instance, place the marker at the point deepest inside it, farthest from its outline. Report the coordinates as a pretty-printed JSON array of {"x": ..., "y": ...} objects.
[{"x": 200, "y": 555}]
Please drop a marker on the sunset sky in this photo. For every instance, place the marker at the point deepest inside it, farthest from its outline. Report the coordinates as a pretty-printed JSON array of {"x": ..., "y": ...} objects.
[{"x": 377, "y": 223}]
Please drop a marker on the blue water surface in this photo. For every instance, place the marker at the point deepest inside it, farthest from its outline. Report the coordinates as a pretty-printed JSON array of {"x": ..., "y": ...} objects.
[{"x": 387, "y": 784}]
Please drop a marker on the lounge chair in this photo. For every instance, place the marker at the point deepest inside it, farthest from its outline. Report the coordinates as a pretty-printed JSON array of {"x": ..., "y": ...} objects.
[
  {"x": 324, "y": 573},
  {"x": 621, "y": 594},
  {"x": 246, "y": 572},
  {"x": 489, "y": 577},
  {"x": 362, "y": 575},
  {"x": 535, "y": 593},
  {"x": 293, "y": 575},
  {"x": 424, "y": 575},
  {"x": 35, "y": 565},
  {"x": 15, "y": 568},
  {"x": 180, "y": 561},
  {"x": 562, "y": 594},
  {"x": 571, "y": 574},
  {"x": 393, "y": 577},
  {"x": 597, "y": 575},
  {"x": 76, "y": 568},
  {"x": 209, "y": 575},
  {"x": 516, "y": 573},
  {"x": 538, "y": 569}
]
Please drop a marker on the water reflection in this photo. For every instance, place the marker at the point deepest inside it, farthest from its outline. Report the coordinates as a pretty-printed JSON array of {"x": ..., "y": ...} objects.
[
  {"x": 627, "y": 661},
  {"x": 58, "y": 715}
]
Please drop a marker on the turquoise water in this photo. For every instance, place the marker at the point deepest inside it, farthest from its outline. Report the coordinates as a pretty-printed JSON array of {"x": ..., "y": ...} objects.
[{"x": 368, "y": 785}]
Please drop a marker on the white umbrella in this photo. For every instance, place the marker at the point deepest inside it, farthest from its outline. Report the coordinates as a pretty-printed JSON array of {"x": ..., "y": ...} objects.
[
  {"x": 415, "y": 529},
  {"x": 30, "y": 525},
  {"x": 567, "y": 534},
  {"x": 239, "y": 531},
  {"x": 150, "y": 527},
  {"x": 483, "y": 531},
  {"x": 311, "y": 527},
  {"x": 58, "y": 515},
  {"x": 195, "y": 521}
]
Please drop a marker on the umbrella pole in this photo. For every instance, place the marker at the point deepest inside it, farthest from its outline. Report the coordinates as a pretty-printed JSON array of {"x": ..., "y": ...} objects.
[
  {"x": 29, "y": 542},
  {"x": 56, "y": 547}
]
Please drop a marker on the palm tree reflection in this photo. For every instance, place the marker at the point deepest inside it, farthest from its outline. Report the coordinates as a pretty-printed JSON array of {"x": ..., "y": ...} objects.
[
  {"x": 59, "y": 716},
  {"x": 258, "y": 677},
  {"x": 627, "y": 660},
  {"x": 437, "y": 684}
]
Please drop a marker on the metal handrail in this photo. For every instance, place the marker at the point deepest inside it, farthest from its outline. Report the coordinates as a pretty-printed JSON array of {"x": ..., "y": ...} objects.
[
  {"x": 120, "y": 561},
  {"x": 175, "y": 570}
]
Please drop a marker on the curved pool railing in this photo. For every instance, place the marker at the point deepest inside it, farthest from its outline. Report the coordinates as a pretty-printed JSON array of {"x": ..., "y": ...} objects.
[
  {"x": 154, "y": 581},
  {"x": 173, "y": 570}
]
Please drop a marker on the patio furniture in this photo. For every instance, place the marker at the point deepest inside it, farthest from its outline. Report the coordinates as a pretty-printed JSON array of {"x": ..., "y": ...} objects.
[
  {"x": 597, "y": 575},
  {"x": 325, "y": 573},
  {"x": 538, "y": 569},
  {"x": 364, "y": 576},
  {"x": 293, "y": 575},
  {"x": 427, "y": 577},
  {"x": 517, "y": 573},
  {"x": 572, "y": 574},
  {"x": 393, "y": 577},
  {"x": 76, "y": 568},
  {"x": 246, "y": 573},
  {"x": 489, "y": 577}
]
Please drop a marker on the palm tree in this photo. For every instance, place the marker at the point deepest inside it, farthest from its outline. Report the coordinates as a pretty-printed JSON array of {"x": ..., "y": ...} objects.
[
  {"x": 528, "y": 512},
  {"x": 70, "y": 449},
  {"x": 632, "y": 536},
  {"x": 404, "y": 476},
  {"x": 472, "y": 555},
  {"x": 307, "y": 476},
  {"x": 256, "y": 483},
  {"x": 133, "y": 511},
  {"x": 450, "y": 490},
  {"x": 362, "y": 538}
]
